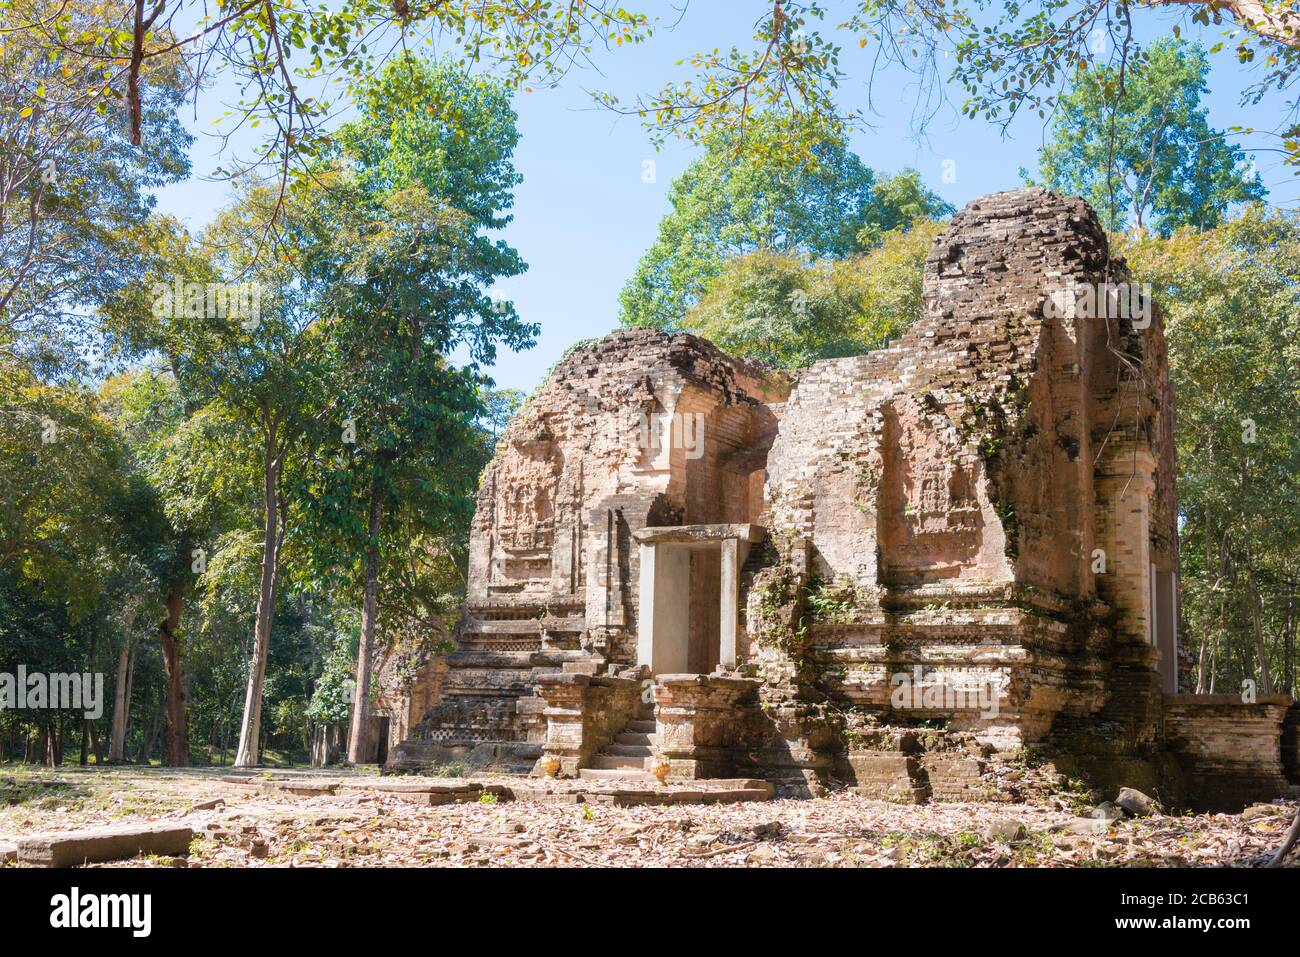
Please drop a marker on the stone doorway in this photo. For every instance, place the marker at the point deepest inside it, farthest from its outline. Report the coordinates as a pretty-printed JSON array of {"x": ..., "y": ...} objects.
[
  {"x": 688, "y": 618},
  {"x": 383, "y": 726}
]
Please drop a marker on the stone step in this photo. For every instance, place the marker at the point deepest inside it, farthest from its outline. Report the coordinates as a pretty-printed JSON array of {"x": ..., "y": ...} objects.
[
  {"x": 642, "y": 727},
  {"x": 73, "y": 848},
  {"x": 614, "y": 762},
  {"x": 614, "y": 774},
  {"x": 629, "y": 751},
  {"x": 637, "y": 737}
]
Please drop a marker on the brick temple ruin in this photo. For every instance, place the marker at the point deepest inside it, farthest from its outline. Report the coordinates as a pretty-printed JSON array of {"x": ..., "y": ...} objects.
[{"x": 892, "y": 570}]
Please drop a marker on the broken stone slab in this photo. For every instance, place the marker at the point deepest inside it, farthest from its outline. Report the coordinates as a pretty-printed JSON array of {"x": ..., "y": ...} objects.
[
  {"x": 1088, "y": 825},
  {"x": 1256, "y": 811},
  {"x": 304, "y": 788},
  {"x": 737, "y": 795},
  {"x": 1137, "y": 804},
  {"x": 410, "y": 787},
  {"x": 247, "y": 779},
  {"x": 1106, "y": 811},
  {"x": 550, "y": 797},
  {"x": 8, "y": 852},
  {"x": 1005, "y": 830},
  {"x": 72, "y": 848},
  {"x": 276, "y": 785}
]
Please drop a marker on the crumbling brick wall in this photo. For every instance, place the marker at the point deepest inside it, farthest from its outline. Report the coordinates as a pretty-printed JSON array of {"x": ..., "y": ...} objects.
[
  {"x": 949, "y": 482},
  {"x": 638, "y": 428}
]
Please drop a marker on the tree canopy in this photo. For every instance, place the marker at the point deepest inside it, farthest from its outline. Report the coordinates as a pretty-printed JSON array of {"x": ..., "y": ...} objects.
[
  {"x": 1231, "y": 303},
  {"x": 788, "y": 311},
  {"x": 731, "y": 203},
  {"x": 1141, "y": 151}
]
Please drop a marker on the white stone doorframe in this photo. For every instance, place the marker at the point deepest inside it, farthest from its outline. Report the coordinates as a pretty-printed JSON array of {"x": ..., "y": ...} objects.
[{"x": 663, "y": 599}]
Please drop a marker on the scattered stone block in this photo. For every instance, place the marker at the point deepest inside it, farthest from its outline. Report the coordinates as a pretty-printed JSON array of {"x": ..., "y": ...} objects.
[
  {"x": 304, "y": 788},
  {"x": 1257, "y": 811},
  {"x": 1107, "y": 811},
  {"x": 1136, "y": 804},
  {"x": 1088, "y": 825},
  {"x": 72, "y": 848},
  {"x": 1006, "y": 831}
]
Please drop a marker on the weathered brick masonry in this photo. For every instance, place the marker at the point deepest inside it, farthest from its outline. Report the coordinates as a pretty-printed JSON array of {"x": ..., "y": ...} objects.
[{"x": 888, "y": 571}]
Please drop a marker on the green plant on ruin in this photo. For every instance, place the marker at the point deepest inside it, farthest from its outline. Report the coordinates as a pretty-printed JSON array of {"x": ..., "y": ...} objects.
[
  {"x": 792, "y": 642},
  {"x": 781, "y": 601},
  {"x": 832, "y": 602},
  {"x": 1010, "y": 527},
  {"x": 990, "y": 447},
  {"x": 859, "y": 729}
]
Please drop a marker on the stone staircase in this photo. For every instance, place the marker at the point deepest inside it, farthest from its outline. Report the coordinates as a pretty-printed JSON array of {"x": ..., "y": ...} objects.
[
  {"x": 488, "y": 715},
  {"x": 630, "y": 755}
]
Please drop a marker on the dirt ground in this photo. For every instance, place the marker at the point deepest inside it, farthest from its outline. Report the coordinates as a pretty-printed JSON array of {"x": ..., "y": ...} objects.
[{"x": 238, "y": 825}]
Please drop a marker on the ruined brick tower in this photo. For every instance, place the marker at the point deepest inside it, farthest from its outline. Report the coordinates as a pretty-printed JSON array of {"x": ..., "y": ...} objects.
[{"x": 881, "y": 571}]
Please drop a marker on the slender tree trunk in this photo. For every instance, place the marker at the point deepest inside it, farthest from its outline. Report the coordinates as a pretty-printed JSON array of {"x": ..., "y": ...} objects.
[
  {"x": 84, "y": 759},
  {"x": 1202, "y": 659},
  {"x": 149, "y": 738},
  {"x": 121, "y": 703},
  {"x": 176, "y": 751},
  {"x": 1257, "y": 622},
  {"x": 1288, "y": 842},
  {"x": 361, "y": 740},
  {"x": 1288, "y": 643},
  {"x": 250, "y": 732},
  {"x": 1203, "y": 656}
]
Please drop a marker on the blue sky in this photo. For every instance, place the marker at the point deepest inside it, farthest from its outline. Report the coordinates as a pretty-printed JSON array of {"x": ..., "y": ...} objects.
[{"x": 585, "y": 214}]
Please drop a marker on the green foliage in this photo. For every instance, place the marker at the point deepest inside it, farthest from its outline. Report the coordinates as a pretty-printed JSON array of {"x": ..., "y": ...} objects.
[
  {"x": 332, "y": 699},
  {"x": 831, "y": 602},
  {"x": 1232, "y": 319},
  {"x": 398, "y": 256},
  {"x": 382, "y": 269},
  {"x": 278, "y": 53},
  {"x": 62, "y": 488},
  {"x": 501, "y": 406},
  {"x": 73, "y": 188},
  {"x": 731, "y": 203},
  {"x": 1141, "y": 151},
  {"x": 788, "y": 312}
]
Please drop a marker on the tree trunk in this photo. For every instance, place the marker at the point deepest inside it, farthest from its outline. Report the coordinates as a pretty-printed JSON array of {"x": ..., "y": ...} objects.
[
  {"x": 250, "y": 731},
  {"x": 176, "y": 751},
  {"x": 1288, "y": 842},
  {"x": 1288, "y": 643},
  {"x": 149, "y": 739},
  {"x": 121, "y": 704},
  {"x": 1257, "y": 623},
  {"x": 1202, "y": 657},
  {"x": 361, "y": 740}
]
